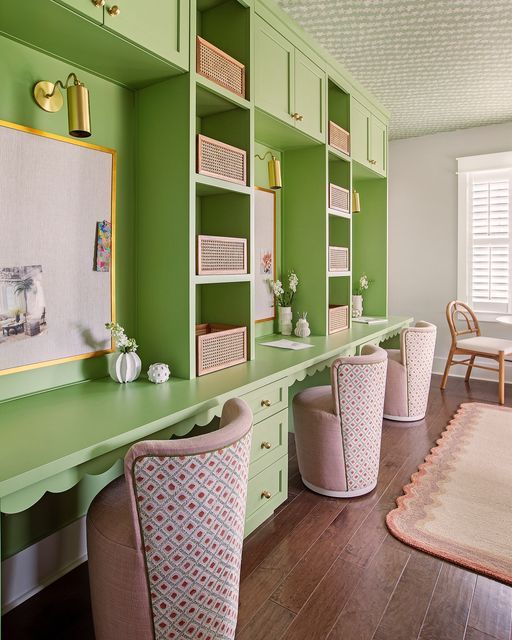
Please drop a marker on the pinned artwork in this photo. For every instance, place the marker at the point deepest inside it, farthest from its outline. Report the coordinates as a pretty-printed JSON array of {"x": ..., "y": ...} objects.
[
  {"x": 103, "y": 245},
  {"x": 22, "y": 303}
]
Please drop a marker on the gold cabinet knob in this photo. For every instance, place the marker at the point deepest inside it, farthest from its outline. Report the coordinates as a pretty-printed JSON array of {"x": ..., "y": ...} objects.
[
  {"x": 373, "y": 161},
  {"x": 300, "y": 118},
  {"x": 98, "y": 3},
  {"x": 114, "y": 11},
  {"x": 265, "y": 403},
  {"x": 295, "y": 116},
  {"x": 266, "y": 445},
  {"x": 266, "y": 494}
]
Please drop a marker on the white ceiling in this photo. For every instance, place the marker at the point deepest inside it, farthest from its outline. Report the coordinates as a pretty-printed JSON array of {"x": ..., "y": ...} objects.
[{"x": 437, "y": 65}]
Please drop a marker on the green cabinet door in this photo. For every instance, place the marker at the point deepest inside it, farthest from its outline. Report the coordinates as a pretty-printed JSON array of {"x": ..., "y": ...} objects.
[
  {"x": 378, "y": 145},
  {"x": 160, "y": 26},
  {"x": 274, "y": 59},
  {"x": 359, "y": 132},
  {"x": 86, "y": 7},
  {"x": 309, "y": 97}
]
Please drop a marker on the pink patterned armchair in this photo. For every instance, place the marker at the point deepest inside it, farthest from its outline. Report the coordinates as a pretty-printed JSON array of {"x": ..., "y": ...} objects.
[
  {"x": 165, "y": 541},
  {"x": 409, "y": 372},
  {"x": 338, "y": 427}
]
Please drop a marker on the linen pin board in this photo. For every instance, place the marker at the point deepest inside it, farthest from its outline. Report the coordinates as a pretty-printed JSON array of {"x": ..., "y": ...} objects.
[{"x": 57, "y": 259}]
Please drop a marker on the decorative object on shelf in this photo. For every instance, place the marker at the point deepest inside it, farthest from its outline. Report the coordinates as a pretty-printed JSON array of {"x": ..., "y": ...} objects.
[
  {"x": 264, "y": 252},
  {"x": 338, "y": 318},
  {"x": 274, "y": 170},
  {"x": 48, "y": 97},
  {"x": 339, "y": 138},
  {"x": 220, "y": 346},
  {"x": 220, "y": 160},
  {"x": 357, "y": 298},
  {"x": 221, "y": 255},
  {"x": 159, "y": 372},
  {"x": 356, "y": 202},
  {"x": 284, "y": 298},
  {"x": 302, "y": 329},
  {"x": 103, "y": 249},
  {"x": 339, "y": 198},
  {"x": 219, "y": 67},
  {"x": 338, "y": 259},
  {"x": 125, "y": 365}
]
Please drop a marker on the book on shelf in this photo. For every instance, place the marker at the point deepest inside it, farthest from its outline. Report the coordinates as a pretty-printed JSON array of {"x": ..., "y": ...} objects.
[{"x": 370, "y": 320}]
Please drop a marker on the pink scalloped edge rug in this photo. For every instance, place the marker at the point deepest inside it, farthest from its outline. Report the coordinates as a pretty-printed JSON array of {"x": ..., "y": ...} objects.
[{"x": 458, "y": 505}]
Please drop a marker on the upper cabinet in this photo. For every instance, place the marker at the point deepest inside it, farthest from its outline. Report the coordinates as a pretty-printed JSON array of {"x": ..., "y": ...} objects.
[
  {"x": 289, "y": 86},
  {"x": 368, "y": 138},
  {"x": 159, "y": 26}
]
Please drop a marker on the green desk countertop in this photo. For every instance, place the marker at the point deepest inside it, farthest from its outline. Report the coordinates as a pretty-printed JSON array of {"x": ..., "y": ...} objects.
[{"x": 56, "y": 434}]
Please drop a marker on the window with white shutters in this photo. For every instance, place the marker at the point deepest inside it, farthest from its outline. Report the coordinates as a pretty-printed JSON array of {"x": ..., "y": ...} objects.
[{"x": 485, "y": 256}]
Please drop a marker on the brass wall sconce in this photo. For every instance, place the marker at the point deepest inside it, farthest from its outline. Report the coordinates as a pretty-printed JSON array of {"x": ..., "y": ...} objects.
[
  {"x": 356, "y": 202},
  {"x": 48, "y": 97},
  {"x": 274, "y": 170}
]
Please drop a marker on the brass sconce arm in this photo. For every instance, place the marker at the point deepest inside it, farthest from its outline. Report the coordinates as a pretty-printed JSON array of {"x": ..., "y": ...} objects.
[
  {"x": 64, "y": 85},
  {"x": 274, "y": 170},
  {"x": 269, "y": 153}
]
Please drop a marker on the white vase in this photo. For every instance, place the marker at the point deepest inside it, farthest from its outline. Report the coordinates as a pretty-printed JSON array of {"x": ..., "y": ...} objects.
[
  {"x": 285, "y": 320},
  {"x": 357, "y": 306},
  {"x": 302, "y": 329},
  {"x": 124, "y": 367}
]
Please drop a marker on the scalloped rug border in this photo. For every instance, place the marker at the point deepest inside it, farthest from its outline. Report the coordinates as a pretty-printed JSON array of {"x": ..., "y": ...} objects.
[{"x": 421, "y": 491}]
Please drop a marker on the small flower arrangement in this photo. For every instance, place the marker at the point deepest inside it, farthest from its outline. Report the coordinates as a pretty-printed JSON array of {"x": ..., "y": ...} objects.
[
  {"x": 123, "y": 343},
  {"x": 364, "y": 285},
  {"x": 284, "y": 297}
]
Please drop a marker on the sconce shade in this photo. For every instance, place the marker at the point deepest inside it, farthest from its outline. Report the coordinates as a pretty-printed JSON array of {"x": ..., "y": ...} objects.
[
  {"x": 274, "y": 173},
  {"x": 79, "y": 119},
  {"x": 356, "y": 202}
]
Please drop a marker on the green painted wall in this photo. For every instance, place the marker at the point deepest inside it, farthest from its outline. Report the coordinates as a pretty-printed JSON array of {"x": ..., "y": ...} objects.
[{"x": 112, "y": 114}]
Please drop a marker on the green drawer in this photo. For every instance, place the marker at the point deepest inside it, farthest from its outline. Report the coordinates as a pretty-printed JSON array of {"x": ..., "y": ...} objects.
[
  {"x": 265, "y": 492},
  {"x": 268, "y": 400},
  {"x": 269, "y": 442}
]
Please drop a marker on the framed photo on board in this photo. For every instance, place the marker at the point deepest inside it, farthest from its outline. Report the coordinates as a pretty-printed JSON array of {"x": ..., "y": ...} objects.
[
  {"x": 264, "y": 252},
  {"x": 57, "y": 249}
]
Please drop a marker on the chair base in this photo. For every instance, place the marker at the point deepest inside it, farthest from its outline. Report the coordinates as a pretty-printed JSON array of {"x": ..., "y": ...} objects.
[
  {"x": 404, "y": 418},
  {"x": 339, "y": 494}
]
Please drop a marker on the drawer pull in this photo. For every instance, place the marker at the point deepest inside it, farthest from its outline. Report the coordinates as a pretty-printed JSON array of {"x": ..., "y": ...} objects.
[
  {"x": 266, "y": 445},
  {"x": 266, "y": 494},
  {"x": 114, "y": 11},
  {"x": 98, "y": 3},
  {"x": 265, "y": 403}
]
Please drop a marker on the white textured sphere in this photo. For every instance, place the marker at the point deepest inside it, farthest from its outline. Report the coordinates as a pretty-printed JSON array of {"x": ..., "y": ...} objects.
[{"x": 159, "y": 372}]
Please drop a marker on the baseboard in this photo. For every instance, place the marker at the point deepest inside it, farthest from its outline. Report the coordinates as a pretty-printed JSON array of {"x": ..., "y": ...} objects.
[
  {"x": 31, "y": 570},
  {"x": 476, "y": 374}
]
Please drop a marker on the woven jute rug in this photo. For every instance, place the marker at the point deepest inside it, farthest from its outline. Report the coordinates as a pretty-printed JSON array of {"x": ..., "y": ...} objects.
[{"x": 458, "y": 505}]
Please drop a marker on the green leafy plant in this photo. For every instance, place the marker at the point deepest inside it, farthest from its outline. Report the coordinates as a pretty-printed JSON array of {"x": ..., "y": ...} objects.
[
  {"x": 123, "y": 343},
  {"x": 363, "y": 285},
  {"x": 284, "y": 297}
]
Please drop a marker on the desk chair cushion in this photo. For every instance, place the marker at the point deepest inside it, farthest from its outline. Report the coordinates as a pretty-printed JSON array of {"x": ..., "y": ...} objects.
[{"x": 486, "y": 345}]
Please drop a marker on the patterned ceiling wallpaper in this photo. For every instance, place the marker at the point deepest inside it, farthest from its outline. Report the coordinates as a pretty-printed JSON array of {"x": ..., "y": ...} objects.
[{"x": 437, "y": 65}]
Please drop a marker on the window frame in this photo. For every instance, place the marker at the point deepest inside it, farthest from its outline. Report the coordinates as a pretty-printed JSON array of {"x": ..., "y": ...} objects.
[{"x": 467, "y": 167}]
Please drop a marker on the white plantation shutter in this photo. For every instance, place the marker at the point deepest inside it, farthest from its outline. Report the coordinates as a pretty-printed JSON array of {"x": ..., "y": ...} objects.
[{"x": 489, "y": 240}]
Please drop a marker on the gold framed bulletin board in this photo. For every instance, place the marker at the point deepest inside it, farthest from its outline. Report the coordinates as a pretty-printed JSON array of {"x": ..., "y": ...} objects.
[
  {"x": 264, "y": 252},
  {"x": 57, "y": 248}
]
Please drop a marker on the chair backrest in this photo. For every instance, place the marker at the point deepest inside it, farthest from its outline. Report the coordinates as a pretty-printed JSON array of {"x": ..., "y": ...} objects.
[
  {"x": 188, "y": 501},
  {"x": 358, "y": 385},
  {"x": 417, "y": 345},
  {"x": 461, "y": 319}
]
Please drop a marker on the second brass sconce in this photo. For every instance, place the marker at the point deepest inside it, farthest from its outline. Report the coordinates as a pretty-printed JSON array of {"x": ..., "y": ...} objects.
[
  {"x": 274, "y": 170},
  {"x": 48, "y": 97},
  {"x": 356, "y": 202}
]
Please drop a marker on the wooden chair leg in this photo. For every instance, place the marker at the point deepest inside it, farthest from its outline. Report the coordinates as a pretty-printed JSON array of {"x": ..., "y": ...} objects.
[
  {"x": 501, "y": 378},
  {"x": 470, "y": 367},
  {"x": 447, "y": 369}
]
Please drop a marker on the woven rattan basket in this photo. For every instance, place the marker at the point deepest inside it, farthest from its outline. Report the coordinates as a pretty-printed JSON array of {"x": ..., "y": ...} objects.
[
  {"x": 338, "y": 318},
  {"x": 220, "y": 160},
  {"x": 339, "y": 198},
  {"x": 221, "y": 255},
  {"x": 339, "y": 138},
  {"x": 338, "y": 259},
  {"x": 219, "y": 346},
  {"x": 217, "y": 66}
]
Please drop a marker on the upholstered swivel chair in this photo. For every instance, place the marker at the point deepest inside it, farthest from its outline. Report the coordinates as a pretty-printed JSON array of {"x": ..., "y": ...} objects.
[
  {"x": 165, "y": 540},
  {"x": 462, "y": 321},
  {"x": 338, "y": 427},
  {"x": 409, "y": 373}
]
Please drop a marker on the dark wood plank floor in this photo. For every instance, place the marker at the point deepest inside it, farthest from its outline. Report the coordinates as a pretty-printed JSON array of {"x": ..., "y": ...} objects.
[{"x": 327, "y": 569}]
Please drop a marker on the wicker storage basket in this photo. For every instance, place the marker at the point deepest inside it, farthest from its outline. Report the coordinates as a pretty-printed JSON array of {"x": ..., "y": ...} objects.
[
  {"x": 338, "y": 259},
  {"x": 217, "y": 66},
  {"x": 219, "y": 255},
  {"x": 339, "y": 138},
  {"x": 338, "y": 318},
  {"x": 339, "y": 198},
  {"x": 221, "y": 160},
  {"x": 220, "y": 346}
]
